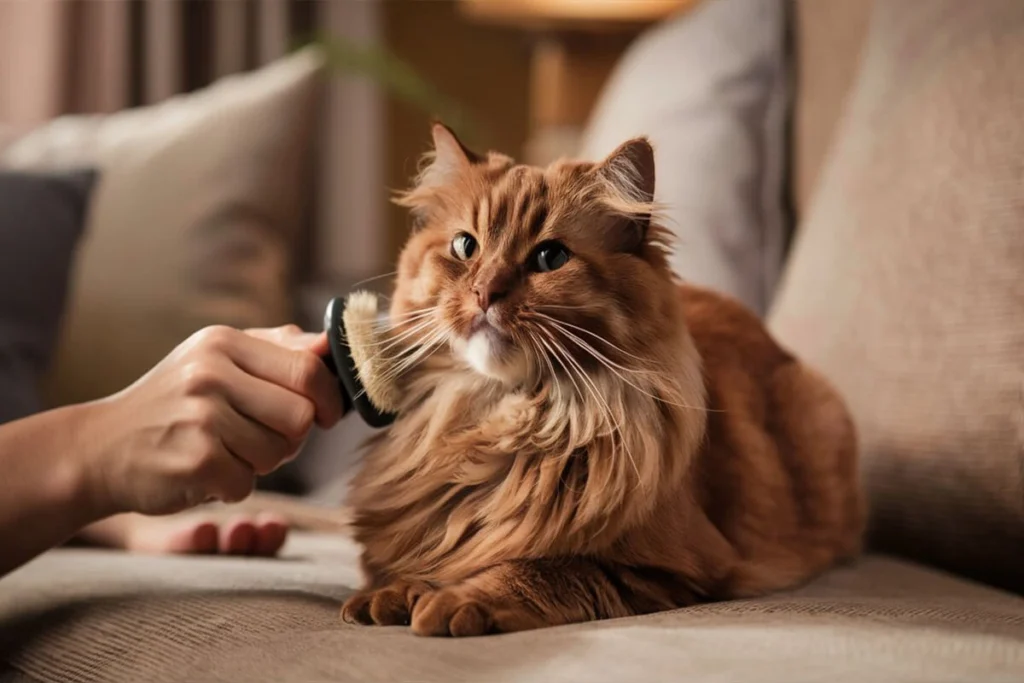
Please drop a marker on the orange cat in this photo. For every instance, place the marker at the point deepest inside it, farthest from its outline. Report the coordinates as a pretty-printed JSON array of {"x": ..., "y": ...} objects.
[{"x": 583, "y": 437}]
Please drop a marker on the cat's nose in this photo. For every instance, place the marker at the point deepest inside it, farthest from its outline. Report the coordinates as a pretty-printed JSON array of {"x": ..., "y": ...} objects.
[{"x": 488, "y": 293}]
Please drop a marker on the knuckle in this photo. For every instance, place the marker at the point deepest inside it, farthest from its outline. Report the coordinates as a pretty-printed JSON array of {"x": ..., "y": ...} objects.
[
  {"x": 302, "y": 419},
  {"x": 203, "y": 463},
  {"x": 214, "y": 337},
  {"x": 204, "y": 414},
  {"x": 306, "y": 369},
  {"x": 290, "y": 330},
  {"x": 199, "y": 377}
]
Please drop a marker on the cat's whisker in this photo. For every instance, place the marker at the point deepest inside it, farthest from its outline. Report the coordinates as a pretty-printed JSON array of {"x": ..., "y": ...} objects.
[
  {"x": 608, "y": 361},
  {"x": 391, "y": 322},
  {"x": 579, "y": 392},
  {"x": 604, "y": 360},
  {"x": 596, "y": 336},
  {"x": 534, "y": 342},
  {"x": 554, "y": 375},
  {"x": 425, "y": 309},
  {"x": 410, "y": 355},
  {"x": 531, "y": 338},
  {"x": 374, "y": 278},
  {"x": 615, "y": 427},
  {"x": 426, "y": 348},
  {"x": 391, "y": 342},
  {"x": 588, "y": 382},
  {"x": 561, "y": 307},
  {"x": 417, "y": 352},
  {"x": 388, "y": 343}
]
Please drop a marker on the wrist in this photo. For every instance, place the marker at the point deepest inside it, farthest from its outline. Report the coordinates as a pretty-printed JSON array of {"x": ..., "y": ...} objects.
[{"x": 82, "y": 478}]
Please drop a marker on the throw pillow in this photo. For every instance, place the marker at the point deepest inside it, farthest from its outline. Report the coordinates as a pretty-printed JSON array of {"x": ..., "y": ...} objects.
[
  {"x": 196, "y": 221},
  {"x": 709, "y": 88},
  {"x": 41, "y": 220}
]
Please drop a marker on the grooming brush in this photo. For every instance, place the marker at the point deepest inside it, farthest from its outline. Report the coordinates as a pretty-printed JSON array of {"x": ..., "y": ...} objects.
[{"x": 352, "y": 326}]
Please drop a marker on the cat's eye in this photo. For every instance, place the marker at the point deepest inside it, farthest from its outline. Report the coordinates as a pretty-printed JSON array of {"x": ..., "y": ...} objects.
[
  {"x": 549, "y": 256},
  {"x": 463, "y": 246}
]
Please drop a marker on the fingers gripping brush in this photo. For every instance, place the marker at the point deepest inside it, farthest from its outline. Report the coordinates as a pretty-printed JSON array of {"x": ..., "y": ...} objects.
[{"x": 352, "y": 326}]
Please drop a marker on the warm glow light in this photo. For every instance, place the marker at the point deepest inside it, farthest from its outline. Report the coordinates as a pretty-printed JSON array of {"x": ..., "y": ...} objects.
[{"x": 563, "y": 11}]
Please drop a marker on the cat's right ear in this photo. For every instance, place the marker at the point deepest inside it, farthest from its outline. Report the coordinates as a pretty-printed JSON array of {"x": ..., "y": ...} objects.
[{"x": 451, "y": 158}]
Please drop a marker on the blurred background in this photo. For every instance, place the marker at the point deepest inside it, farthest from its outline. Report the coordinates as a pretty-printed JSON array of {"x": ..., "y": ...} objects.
[
  {"x": 498, "y": 71},
  {"x": 247, "y": 149}
]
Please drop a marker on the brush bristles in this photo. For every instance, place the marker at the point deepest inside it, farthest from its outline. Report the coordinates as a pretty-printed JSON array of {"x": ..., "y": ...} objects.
[{"x": 361, "y": 330}]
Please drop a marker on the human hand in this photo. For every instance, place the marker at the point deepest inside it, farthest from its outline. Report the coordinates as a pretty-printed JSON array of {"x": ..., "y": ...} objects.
[{"x": 224, "y": 406}]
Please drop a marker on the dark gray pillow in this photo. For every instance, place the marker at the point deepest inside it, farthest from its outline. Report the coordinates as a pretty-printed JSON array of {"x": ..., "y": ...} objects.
[{"x": 42, "y": 217}]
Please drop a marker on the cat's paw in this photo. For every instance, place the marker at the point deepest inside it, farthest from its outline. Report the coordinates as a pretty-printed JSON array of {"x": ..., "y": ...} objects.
[
  {"x": 391, "y": 605},
  {"x": 455, "y": 611}
]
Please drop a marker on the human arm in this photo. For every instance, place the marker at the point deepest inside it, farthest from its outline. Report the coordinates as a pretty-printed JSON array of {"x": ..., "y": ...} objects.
[{"x": 221, "y": 408}]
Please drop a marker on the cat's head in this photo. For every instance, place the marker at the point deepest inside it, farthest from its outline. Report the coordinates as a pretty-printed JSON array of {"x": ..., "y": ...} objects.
[{"x": 523, "y": 271}]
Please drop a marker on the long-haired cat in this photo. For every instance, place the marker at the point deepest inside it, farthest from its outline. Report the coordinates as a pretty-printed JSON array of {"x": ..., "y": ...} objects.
[{"x": 581, "y": 436}]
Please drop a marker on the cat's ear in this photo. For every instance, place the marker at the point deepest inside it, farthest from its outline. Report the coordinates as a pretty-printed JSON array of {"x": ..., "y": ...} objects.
[
  {"x": 450, "y": 159},
  {"x": 627, "y": 180},
  {"x": 443, "y": 166},
  {"x": 628, "y": 174}
]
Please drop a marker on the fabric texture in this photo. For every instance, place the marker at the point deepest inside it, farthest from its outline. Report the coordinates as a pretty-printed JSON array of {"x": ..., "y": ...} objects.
[
  {"x": 906, "y": 285},
  {"x": 710, "y": 88},
  {"x": 828, "y": 39},
  {"x": 82, "y": 615},
  {"x": 41, "y": 220},
  {"x": 196, "y": 222}
]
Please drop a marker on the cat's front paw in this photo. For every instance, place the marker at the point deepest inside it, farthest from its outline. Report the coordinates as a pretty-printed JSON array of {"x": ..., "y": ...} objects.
[
  {"x": 391, "y": 605},
  {"x": 463, "y": 611},
  {"x": 454, "y": 611}
]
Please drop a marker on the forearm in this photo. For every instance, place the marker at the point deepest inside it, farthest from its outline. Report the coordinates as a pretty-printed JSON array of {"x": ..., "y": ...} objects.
[{"x": 44, "y": 493}]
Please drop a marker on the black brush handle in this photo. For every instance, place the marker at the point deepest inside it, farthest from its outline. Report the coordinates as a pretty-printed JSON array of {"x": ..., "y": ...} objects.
[{"x": 339, "y": 362}]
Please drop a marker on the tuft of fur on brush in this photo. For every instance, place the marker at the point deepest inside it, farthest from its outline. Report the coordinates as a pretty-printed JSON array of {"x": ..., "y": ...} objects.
[{"x": 364, "y": 341}]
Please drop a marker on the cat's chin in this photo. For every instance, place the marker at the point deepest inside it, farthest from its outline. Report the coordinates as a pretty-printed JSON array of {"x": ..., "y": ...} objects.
[{"x": 494, "y": 356}]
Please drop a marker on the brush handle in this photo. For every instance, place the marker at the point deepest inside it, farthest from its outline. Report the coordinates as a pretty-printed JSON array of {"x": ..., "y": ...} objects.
[{"x": 339, "y": 361}]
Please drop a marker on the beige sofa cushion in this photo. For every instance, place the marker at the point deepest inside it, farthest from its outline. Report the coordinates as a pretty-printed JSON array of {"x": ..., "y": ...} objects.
[
  {"x": 906, "y": 285},
  {"x": 194, "y": 222},
  {"x": 828, "y": 37},
  {"x": 81, "y": 615}
]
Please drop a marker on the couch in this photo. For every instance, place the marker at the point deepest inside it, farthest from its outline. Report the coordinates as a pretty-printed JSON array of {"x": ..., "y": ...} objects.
[{"x": 904, "y": 283}]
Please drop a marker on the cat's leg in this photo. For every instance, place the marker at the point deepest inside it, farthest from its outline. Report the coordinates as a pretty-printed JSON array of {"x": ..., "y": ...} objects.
[{"x": 526, "y": 594}]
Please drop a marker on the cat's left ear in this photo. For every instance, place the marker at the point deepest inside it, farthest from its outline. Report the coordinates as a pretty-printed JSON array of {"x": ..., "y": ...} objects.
[{"x": 627, "y": 176}]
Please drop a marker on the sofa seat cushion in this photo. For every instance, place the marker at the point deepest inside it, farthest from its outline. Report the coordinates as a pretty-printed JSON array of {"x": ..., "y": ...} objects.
[{"x": 88, "y": 615}]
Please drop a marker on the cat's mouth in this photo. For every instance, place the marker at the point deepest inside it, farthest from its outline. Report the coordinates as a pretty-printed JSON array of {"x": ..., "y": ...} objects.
[
  {"x": 491, "y": 351},
  {"x": 483, "y": 323}
]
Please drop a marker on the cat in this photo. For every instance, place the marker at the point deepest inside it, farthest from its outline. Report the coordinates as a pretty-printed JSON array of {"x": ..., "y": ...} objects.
[{"x": 582, "y": 436}]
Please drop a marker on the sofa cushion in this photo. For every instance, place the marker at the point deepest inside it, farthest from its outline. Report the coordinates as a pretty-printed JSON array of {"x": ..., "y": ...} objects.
[
  {"x": 906, "y": 285},
  {"x": 200, "y": 209},
  {"x": 828, "y": 39},
  {"x": 41, "y": 221},
  {"x": 710, "y": 88},
  {"x": 87, "y": 615}
]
